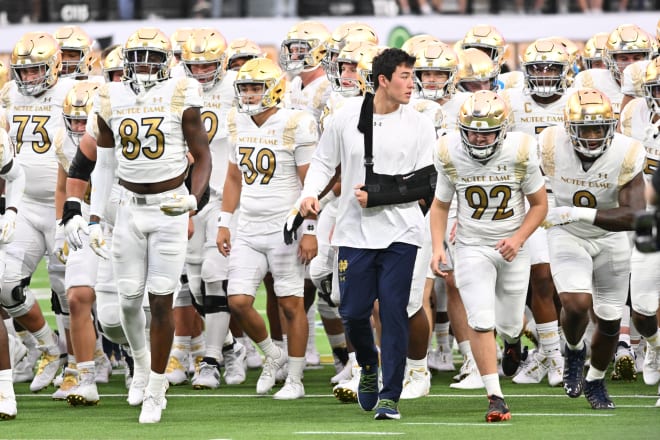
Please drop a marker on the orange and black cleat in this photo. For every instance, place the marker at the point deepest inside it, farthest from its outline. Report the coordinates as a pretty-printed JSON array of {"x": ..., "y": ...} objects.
[{"x": 498, "y": 411}]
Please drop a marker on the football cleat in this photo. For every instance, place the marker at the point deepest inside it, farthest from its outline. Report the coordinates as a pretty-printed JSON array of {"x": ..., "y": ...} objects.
[
  {"x": 8, "y": 408},
  {"x": 367, "y": 394},
  {"x": 46, "y": 370},
  {"x": 441, "y": 360},
  {"x": 498, "y": 411},
  {"x": 208, "y": 376},
  {"x": 624, "y": 363},
  {"x": 17, "y": 350},
  {"x": 102, "y": 367},
  {"x": 472, "y": 381},
  {"x": 292, "y": 389},
  {"x": 69, "y": 382},
  {"x": 512, "y": 357},
  {"x": 152, "y": 408},
  {"x": 235, "y": 364},
  {"x": 138, "y": 385},
  {"x": 176, "y": 372},
  {"x": 555, "y": 365},
  {"x": 574, "y": 371},
  {"x": 387, "y": 410},
  {"x": 85, "y": 394},
  {"x": 466, "y": 367},
  {"x": 533, "y": 370},
  {"x": 253, "y": 357},
  {"x": 346, "y": 372},
  {"x": 651, "y": 367},
  {"x": 596, "y": 394},
  {"x": 417, "y": 383},
  {"x": 271, "y": 366}
]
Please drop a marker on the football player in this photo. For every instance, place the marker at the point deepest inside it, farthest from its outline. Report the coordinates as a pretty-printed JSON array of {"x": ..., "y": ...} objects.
[
  {"x": 77, "y": 55},
  {"x": 492, "y": 227},
  {"x": 596, "y": 178}
]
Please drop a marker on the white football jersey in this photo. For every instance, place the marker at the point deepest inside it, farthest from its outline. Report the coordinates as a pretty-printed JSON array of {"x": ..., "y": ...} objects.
[
  {"x": 597, "y": 187},
  {"x": 65, "y": 149},
  {"x": 334, "y": 103},
  {"x": 511, "y": 80},
  {"x": 635, "y": 121},
  {"x": 268, "y": 156},
  {"x": 430, "y": 109},
  {"x": 149, "y": 142},
  {"x": 632, "y": 80},
  {"x": 6, "y": 149},
  {"x": 217, "y": 103},
  {"x": 601, "y": 79},
  {"x": 531, "y": 117},
  {"x": 451, "y": 108},
  {"x": 34, "y": 122},
  {"x": 311, "y": 98},
  {"x": 490, "y": 195}
]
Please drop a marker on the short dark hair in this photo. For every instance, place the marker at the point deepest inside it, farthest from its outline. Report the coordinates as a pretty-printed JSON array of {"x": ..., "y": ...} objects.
[{"x": 386, "y": 62}]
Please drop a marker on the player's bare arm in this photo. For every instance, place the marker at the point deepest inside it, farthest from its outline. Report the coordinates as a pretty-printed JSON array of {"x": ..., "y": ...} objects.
[
  {"x": 198, "y": 144},
  {"x": 231, "y": 194},
  {"x": 538, "y": 209},
  {"x": 631, "y": 199},
  {"x": 439, "y": 213}
]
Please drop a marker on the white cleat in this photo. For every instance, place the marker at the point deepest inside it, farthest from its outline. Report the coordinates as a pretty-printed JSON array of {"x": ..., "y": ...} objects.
[
  {"x": 253, "y": 357},
  {"x": 152, "y": 408},
  {"x": 102, "y": 367},
  {"x": 138, "y": 385},
  {"x": 441, "y": 360},
  {"x": 207, "y": 377},
  {"x": 292, "y": 389},
  {"x": 532, "y": 370},
  {"x": 472, "y": 381},
  {"x": 49, "y": 364},
  {"x": 8, "y": 408},
  {"x": 69, "y": 382},
  {"x": 85, "y": 394},
  {"x": 466, "y": 368},
  {"x": 312, "y": 357},
  {"x": 346, "y": 391},
  {"x": 651, "y": 367},
  {"x": 345, "y": 373},
  {"x": 175, "y": 372},
  {"x": 555, "y": 365},
  {"x": 269, "y": 372},
  {"x": 417, "y": 384},
  {"x": 24, "y": 370},
  {"x": 235, "y": 364}
]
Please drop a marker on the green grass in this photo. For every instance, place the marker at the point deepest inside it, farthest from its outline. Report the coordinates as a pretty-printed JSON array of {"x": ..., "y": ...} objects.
[{"x": 236, "y": 412}]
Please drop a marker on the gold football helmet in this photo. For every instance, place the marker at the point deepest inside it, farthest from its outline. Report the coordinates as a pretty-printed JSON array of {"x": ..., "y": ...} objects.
[
  {"x": 35, "y": 51},
  {"x": 239, "y": 51},
  {"x": 412, "y": 44},
  {"x": 76, "y": 47},
  {"x": 304, "y": 47},
  {"x": 627, "y": 39},
  {"x": 652, "y": 85},
  {"x": 484, "y": 112},
  {"x": 435, "y": 57},
  {"x": 77, "y": 107},
  {"x": 594, "y": 51},
  {"x": 264, "y": 72},
  {"x": 4, "y": 74},
  {"x": 345, "y": 33},
  {"x": 365, "y": 66},
  {"x": 113, "y": 62},
  {"x": 590, "y": 122},
  {"x": 147, "y": 56},
  {"x": 351, "y": 54},
  {"x": 545, "y": 65},
  {"x": 177, "y": 39},
  {"x": 487, "y": 39},
  {"x": 476, "y": 71},
  {"x": 205, "y": 47}
]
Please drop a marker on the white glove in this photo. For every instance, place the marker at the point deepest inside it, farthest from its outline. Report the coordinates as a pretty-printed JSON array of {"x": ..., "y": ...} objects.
[
  {"x": 61, "y": 249},
  {"x": 72, "y": 230},
  {"x": 8, "y": 226},
  {"x": 562, "y": 215},
  {"x": 97, "y": 241},
  {"x": 178, "y": 204}
]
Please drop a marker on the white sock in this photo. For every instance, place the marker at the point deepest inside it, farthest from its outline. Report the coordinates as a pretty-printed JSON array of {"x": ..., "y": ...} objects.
[
  {"x": 296, "y": 366},
  {"x": 548, "y": 336},
  {"x": 492, "y": 384},
  {"x": 594, "y": 374}
]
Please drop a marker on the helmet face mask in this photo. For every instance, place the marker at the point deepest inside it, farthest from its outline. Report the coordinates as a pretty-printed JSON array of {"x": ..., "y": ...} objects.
[
  {"x": 147, "y": 56},
  {"x": 76, "y": 108},
  {"x": 651, "y": 86},
  {"x": 203, "y": 57},
  {"x": 76, "y": 47},
  {"x": 483, "y": 120},
  {"x": 435, "y": 68},
  {"x": 304, "y": 48},
  {"x": 259, "y": 86},
  {"x": 343, "y": 71},
  {"x": 594, "y": 52},
  {"x": 35, "y": 63},
  {"x": 626, "y": 44},
  {"x": 545, "y": 65},
  {"x": 590, "y": 122}
]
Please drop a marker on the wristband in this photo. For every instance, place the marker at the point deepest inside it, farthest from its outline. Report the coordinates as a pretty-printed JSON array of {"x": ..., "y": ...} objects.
[
  {"x": 224, "y": 219},
  {"x": 309, "y": 227}
]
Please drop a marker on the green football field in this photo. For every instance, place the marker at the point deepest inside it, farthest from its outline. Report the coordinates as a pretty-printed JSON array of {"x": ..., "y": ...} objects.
[{"x": 236, "y": 412}]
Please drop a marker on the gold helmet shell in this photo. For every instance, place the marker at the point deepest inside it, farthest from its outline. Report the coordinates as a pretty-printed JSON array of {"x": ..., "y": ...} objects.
[
  {"x": 241, "y": 49},
  {"x": 651, "y": 85},
  {"x": 488, "y": 39},
  {"x": 483, "y": 112},
  {"x": 627, "y": 38},
  {"x": 365, "y": 68},
  {"x": 475, "y": 66},
  {"x": 138, "y": 54},
  {"x": 77, "y": 105},
  {"x": 178, "y": 38},
  {"x": 262, "y": 71},
  {"x": 205, "y": 46},
  {"x": 36, "y": 50},
  {"x": 113, "y": 62},
  {"x": 589, "y": 121},
  {"x": 436, "y": 57},
  {"x": 594, "y": 49},
  {"x": 542, "y": 59},
  {"x": 304, "y": 47},
  {"x": 351, "y": 31},
  {"x": 412, "y": 44},
  {"x": 75, "y": 39},
  {"x": 4, "y": 74},
  {"x": 351, "y": 54}
]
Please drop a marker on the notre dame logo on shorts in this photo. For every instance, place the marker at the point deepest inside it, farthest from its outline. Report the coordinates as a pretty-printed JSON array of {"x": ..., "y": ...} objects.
[{"x": 342, "y": 266}]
